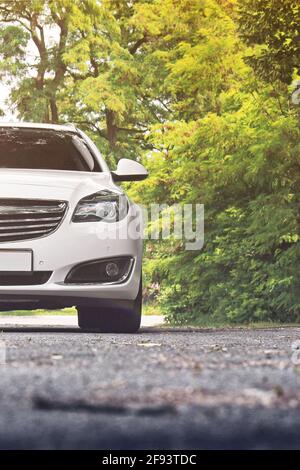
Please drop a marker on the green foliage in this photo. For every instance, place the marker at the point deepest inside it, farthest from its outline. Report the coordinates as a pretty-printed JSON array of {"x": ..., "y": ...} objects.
[
  {"x": 272, "y": 26},
  {"x": 237, "y": 152},
  {"x": 248, "y": 269},
  {"x": 12, "y": 38},
  {"x": 199, "y": 90}
]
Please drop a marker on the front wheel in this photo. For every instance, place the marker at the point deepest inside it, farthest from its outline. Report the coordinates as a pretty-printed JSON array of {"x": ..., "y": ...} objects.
[{"x": 112, "y": 320}]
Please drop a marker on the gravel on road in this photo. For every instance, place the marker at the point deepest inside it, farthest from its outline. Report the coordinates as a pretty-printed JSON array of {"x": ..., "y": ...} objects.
[{"x": 162, "y": 388}]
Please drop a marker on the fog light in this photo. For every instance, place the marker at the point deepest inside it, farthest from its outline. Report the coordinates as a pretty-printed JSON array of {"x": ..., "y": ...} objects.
[{"x": 112, "y": 269}]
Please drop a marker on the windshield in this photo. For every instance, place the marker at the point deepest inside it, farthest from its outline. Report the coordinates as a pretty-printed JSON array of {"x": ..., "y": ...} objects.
[{"x": 42, "y": 149}]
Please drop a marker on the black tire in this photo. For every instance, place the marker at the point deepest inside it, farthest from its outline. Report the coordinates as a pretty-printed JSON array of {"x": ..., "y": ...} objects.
[{"x": 112, "y": 320}]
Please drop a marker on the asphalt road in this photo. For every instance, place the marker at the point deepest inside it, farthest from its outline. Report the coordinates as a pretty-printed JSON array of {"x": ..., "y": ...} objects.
[{"x": 159, "y": 389}]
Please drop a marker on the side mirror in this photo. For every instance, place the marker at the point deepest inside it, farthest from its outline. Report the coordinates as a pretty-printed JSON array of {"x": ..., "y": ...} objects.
[{"x": 129, "y": 170}]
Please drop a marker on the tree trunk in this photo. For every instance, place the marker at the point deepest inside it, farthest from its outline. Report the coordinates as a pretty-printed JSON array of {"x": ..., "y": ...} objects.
[
  {"x": 54, "y": 110},
  {"x": 111, "y": 128}
]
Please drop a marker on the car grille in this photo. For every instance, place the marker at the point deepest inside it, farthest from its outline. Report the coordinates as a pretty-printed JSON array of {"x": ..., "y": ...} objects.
[
  {"x": 24, "y": 219},
  {"x": 28, "y": 279}
]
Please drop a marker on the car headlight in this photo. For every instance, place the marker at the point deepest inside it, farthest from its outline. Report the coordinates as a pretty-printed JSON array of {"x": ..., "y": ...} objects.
[{"x": 106, "y": 206}]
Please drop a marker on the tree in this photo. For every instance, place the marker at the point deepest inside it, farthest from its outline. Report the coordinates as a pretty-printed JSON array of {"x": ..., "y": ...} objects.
[
  {"x": 112, "y": 79},
  {"x": 90, "y": 68},
  {"x": 37, "y": 81},
  {"x": 233, "y": 146}
]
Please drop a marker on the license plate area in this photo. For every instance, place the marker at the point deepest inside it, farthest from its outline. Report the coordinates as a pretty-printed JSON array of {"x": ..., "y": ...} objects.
[{"x": 20, "y": 261}]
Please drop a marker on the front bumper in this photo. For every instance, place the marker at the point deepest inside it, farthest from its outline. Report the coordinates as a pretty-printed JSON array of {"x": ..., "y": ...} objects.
[{"x": 70, "y": 245}]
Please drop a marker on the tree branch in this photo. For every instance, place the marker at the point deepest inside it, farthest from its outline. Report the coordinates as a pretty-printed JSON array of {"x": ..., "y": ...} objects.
[{"x": 133, "y": 49}]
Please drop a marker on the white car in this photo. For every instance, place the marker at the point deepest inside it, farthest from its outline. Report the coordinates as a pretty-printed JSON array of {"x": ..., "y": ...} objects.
[{"x": 67, "y": 234}]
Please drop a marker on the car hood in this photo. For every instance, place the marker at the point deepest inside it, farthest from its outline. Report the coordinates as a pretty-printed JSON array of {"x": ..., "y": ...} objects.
[{"x": 50, "y": 184}]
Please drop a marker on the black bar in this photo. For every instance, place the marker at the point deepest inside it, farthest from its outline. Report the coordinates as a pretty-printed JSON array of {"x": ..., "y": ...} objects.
[{"x": 137, "y": 458}]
